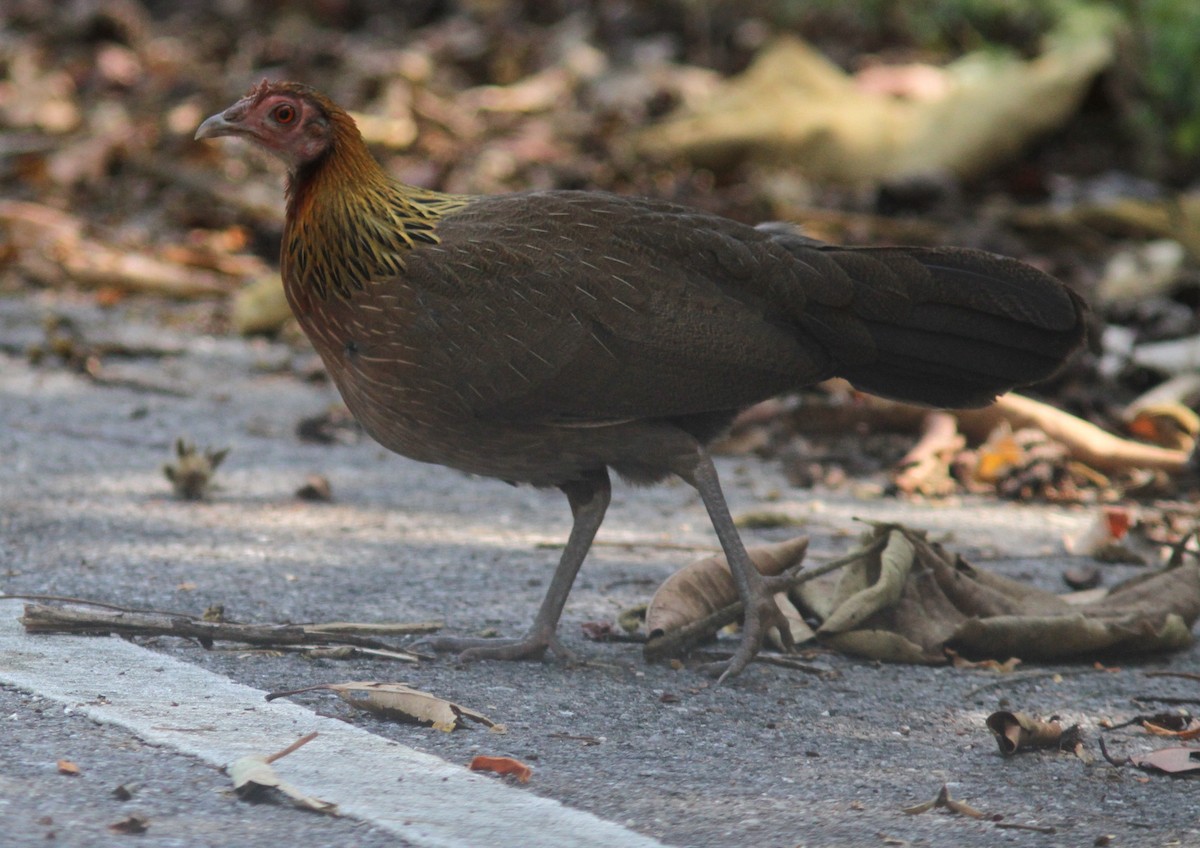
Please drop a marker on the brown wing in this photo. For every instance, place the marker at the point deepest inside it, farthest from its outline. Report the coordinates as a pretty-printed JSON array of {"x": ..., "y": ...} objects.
[
  {"x": 581, "y": 306},
  {"x": 587, "y": 307}
]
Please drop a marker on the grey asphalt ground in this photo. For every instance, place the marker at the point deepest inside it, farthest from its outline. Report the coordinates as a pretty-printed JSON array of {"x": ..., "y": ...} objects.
[{"x": 776, "y": 758}]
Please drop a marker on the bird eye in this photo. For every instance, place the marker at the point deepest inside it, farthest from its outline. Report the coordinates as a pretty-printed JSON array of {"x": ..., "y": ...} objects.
[{"x": 285, "y": 113}]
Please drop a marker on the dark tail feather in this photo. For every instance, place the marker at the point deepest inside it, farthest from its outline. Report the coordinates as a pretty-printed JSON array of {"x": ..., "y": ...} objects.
[{"x": 943, "y": 327}]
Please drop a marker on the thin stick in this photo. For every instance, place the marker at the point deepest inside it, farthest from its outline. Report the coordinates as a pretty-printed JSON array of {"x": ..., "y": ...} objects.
[
  {"x": 1036, "y": 828},
  {"x": 67, "y": 599},
  {"x": 299, "y": 743},
  {"x": 1112, "y": 760},
  {"x": 1186, "y": 675}
]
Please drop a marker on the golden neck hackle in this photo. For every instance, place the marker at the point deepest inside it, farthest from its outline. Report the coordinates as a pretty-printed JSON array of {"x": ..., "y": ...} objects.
[{"x": 349, "y": 222}]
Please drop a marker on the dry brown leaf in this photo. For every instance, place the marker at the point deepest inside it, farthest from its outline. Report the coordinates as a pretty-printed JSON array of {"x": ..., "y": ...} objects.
[
  {"x": 908, "y": 599},
  {"x": 132, "y": 823},
  {"x": 502, "y": 765},
  {"x": 50, "y": 246},
  {"x": 766, "y": 519},
  {"x": 1022, "y": 732},
  {"x": 1000, "y": 453},
  {"x": 1187, "y": 730},
  {"x": 253, "y": 777},
  {"x": 705, "y": 586},
  {"x": 943, "y": 800},
  {"x": 864, "y": 592},
  {"x": 399, "y": 702},
  {"x": 68, "y": 768},
  {"x": 1180, "y": 760}
]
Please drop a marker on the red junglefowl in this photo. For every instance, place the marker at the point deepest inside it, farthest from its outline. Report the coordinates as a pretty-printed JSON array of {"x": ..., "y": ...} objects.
[{"x": 546, "y": 337}]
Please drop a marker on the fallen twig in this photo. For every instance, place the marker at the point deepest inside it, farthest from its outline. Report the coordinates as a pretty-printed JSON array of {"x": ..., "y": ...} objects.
[
  {"x": 41, "y": 618},
  {"x": 299, "y": 743},
  {"x": 1111, "y": 759},
  {"x": 1085, "y": 441},
  {"x": 1036, "y": 828},
  {"x": 638, "y": 543},
  {"x": 1186, "y": 675}
]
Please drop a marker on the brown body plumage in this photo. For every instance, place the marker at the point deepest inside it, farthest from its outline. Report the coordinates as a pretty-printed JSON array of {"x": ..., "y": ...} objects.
[{"x": 546, "y": 337}]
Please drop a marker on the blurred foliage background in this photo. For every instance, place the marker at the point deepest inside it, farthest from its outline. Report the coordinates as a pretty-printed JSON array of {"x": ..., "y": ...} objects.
[
  {"x": 1083, "y": 160},
  {"x": 99, "y": 101}
]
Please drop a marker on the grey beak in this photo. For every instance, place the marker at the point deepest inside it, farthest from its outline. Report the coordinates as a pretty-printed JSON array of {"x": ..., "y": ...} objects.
[{"x": 216, "y": 126}]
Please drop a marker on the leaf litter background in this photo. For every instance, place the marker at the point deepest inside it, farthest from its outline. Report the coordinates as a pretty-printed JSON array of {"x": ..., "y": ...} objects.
[{"x": 107, "y": 200}]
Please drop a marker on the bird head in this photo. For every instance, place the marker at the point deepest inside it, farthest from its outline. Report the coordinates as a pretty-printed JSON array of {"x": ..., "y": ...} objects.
[{"x": 291, "y": 121}]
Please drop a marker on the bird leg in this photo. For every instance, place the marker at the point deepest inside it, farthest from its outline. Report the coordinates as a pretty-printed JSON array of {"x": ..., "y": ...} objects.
[
  {"x": 589, "y": 499},
  {"x": 756, "y": 591}
]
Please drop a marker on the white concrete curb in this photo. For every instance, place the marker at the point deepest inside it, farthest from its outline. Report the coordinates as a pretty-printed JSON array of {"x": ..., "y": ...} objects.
[{"x": 424, "y": 799}]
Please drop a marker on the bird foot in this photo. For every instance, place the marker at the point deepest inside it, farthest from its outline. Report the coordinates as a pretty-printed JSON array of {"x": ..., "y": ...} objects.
[
  {"x": 761, "y": 615},
  {"x": 532, "y": 646}
]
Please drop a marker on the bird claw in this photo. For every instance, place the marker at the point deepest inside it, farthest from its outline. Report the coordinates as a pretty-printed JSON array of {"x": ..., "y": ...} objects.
[
  {"x": 762, "y": 616},
  {"x": 532, "y": 646}
]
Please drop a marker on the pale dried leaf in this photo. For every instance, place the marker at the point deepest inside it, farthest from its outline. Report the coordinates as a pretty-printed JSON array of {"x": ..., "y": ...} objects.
[
  {"x": 706, "y": 585},
  {"x": 913, "y": 599},
  {"x": 1179, "y": 760},
  {"x": 253, "y": 775},
  {"x": 398, "y": 702},
  {"x": 876, "y": 585}
]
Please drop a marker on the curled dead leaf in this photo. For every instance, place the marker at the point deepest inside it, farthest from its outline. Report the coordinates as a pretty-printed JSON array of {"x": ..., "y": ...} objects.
[
  {"x": 861, "y": 597},
  {"x": 1168, "y": 425},
  {"x": 1022, "y": 732},
  {"x": 1177, "y": 726},
  {"x": 905, "y": 599},
  {"x": 705, "y": 586},
  {"x": 944, "y": 801}
]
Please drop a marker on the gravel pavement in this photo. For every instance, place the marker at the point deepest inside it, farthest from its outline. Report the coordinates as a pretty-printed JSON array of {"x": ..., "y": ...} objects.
[{"x": 639, "y": 753}]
